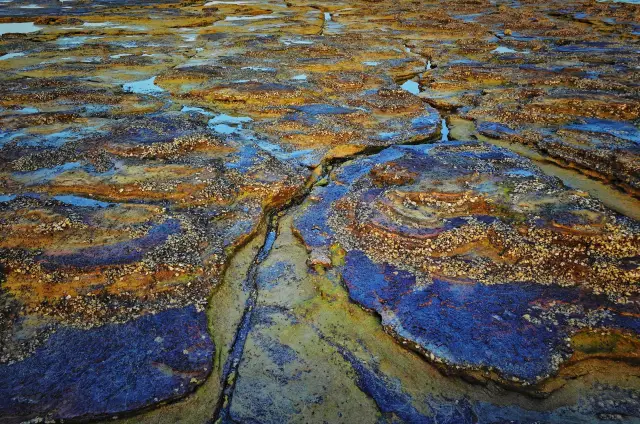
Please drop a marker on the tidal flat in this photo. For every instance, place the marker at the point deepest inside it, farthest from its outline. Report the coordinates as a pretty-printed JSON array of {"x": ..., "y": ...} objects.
[{"x": 258, "y": 211}]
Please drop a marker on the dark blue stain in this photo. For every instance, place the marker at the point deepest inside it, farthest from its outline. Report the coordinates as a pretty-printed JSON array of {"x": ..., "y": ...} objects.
[
  {"x": 592, "y": 407},
  {"x": 313, "y": 223},
  {"x": 388, "y": 397},
  {"x": 279, "y": 353},
  {"x": 475, "y": 324},
  {"x": 161, "y": 128},
  {"x": 118, "y": 253},
  {"x": 391, "y": 399},
  {"x": 445, "y": 225},
  {"x": 110, "y": 369}
]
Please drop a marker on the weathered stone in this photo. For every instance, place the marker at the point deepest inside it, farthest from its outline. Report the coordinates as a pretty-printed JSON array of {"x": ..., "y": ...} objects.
[
  {"x": 475, "y": 256},
  {"x": 143, "y": 145}
]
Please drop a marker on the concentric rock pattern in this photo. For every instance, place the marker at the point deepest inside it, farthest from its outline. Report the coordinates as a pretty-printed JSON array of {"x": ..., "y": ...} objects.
[{"x": 476, "y": 257}]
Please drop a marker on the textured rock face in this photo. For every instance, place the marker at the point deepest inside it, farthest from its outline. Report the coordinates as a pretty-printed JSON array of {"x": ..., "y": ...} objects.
[
  {"x": 118, "y": 367},
  {"x": 474, "y": 256},
  {"x": 148, "y": 149}
]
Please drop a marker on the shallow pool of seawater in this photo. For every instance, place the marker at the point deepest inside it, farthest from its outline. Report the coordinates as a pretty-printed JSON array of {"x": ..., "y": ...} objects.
[
  {"x": 225, "y": 129},
  {"x": 227, "y": 119},
  {"x": 146, "y": 86},
  {"x": 226, "y": 124},
  {"x": 411, "y": 86},
  {"x": 83, "y": 202},
  {"x": 18, "y": 28},
  {"x": 504, "y": 50},
  {"x": 193, "y": 109},
  {"x": 444, "y": 131},
  {"x": 331, "y": 26},
  {"x": 12, "y": 55},
  {"x": 73, "y": 42}
]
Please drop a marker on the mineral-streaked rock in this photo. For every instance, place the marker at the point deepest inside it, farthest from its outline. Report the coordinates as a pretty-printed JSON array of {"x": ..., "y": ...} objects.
[
  {"x": 474, "y": 256},
  {"x": 117, "y": 367},
  {"x": 142, "y": 144}
]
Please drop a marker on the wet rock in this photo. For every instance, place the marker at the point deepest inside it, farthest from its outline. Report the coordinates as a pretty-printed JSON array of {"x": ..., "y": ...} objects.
[
  {"x": 475, "y": 243},
  {"x": 142, "y": 144},
  {"x": 92, "y": 373}
]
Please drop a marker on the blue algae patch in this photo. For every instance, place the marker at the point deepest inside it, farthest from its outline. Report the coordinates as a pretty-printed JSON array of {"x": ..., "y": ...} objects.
[
  {"x": 83, "y": 202},
  {"x": 622, "y": 130},
  {"x": 279, "y": 353},
  {"x": 248, "y": 156},
  {"x": 473, "y": 324},
  {"x": 7, "y": 137},
  {"x": 240, "y": 228},
  {"x": 118, "y": 253},
  {"x": 268, "y": 245},
  {"x": 606, "y": 401},
  {"x": 313, "y": 222},
  {"x": 96, "y": 109},
  {"x": 590, "y": 47},
  {"x": 56, "y": 139},
  {"x": 425, "y": 124},
  {"x": 110, "y": 369},
  {"x": 146, "y": 86},
  {"x": 310, "y": 113},
  {"x": 271, "y": 276},
  {"x": 387, "y": 136}
]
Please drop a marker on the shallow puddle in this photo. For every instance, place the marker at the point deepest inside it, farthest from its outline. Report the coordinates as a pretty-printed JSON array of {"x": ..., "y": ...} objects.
[{"x": 18, "y": 28}]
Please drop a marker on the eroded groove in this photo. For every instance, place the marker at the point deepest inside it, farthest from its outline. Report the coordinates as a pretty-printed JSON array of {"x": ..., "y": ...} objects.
[{"x": 230, "y": 369}]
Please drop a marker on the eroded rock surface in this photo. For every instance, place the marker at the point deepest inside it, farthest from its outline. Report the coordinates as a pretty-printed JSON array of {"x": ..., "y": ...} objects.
[
  {"x": 146, "y": 147},
  {"x": 457, "y": 243}
]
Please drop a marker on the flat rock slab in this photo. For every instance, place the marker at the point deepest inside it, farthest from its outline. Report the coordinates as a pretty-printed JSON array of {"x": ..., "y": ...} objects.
[
  {"x": 473, "y": 257},
  {"x": 143, "y": 143},
  {"x": 116, "y": 367}
]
